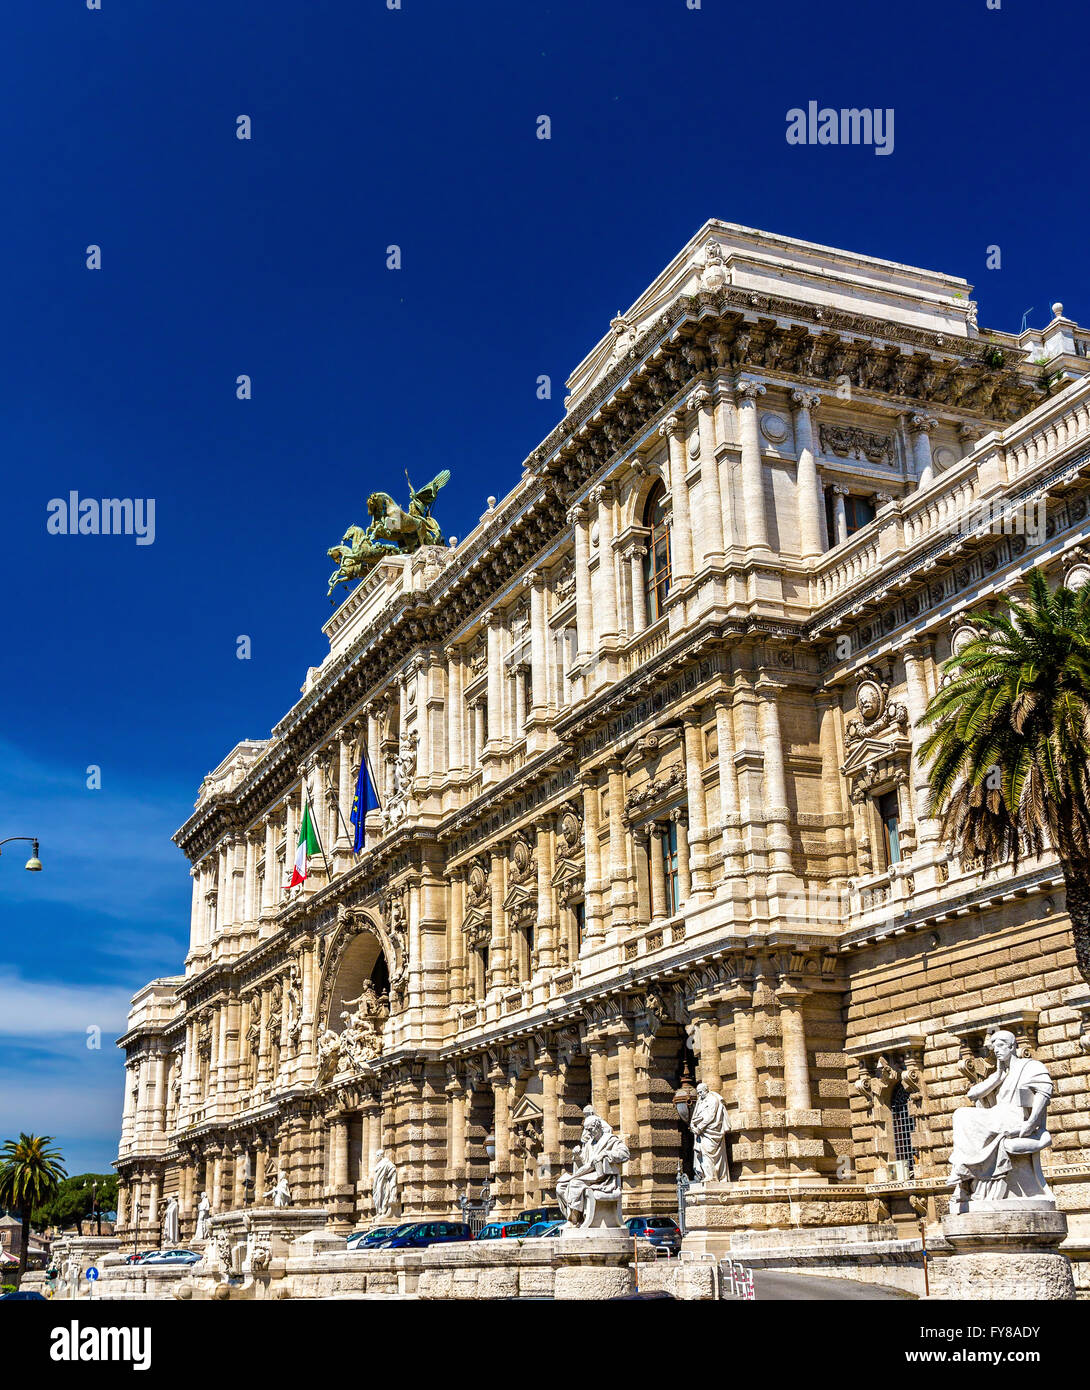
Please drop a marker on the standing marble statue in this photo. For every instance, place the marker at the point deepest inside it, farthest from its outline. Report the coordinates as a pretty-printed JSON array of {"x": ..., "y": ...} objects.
[
  {"x": 383, "y": 1185},
  {"x": 996, "y": 1154},
  {"x": 171, "y": 1232},
  {"x": 281, "y": 1192},
  {"x": 595, "y": 1178},
  {"x": 204, "y": 1213},
  {"x": 710, "y": 1126}
]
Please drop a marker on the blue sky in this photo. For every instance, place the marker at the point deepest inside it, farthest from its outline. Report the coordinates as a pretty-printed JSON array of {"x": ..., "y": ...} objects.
[{"x": 267, "y": 257}]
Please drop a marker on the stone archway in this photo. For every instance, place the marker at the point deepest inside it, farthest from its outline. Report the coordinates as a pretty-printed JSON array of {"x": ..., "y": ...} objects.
[{"x": 360, "y": 952}]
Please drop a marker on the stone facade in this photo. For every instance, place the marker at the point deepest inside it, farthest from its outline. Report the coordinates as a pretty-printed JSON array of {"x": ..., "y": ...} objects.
[{"x": 651, "y": 807}]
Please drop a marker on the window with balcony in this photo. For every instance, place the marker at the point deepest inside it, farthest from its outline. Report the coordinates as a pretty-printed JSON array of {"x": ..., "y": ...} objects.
[{"x": 657, "y": 562}]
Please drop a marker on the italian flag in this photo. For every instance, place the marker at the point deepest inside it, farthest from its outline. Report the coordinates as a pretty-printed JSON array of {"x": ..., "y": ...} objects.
[{"x": 308, "y": 844}]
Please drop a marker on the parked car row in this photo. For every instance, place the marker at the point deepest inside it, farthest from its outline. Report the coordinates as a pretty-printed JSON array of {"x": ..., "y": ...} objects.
[{"x": 538, "y": 1222}]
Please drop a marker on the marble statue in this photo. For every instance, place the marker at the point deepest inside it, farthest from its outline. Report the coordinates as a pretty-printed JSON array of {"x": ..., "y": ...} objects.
[
  {"x": 996, "y": 1154},
  {"x": 72, "y": 1270},
  {"x": 281, "y": 1192},
  {"x": 595, "y": 1178},
  {"x": 204, "y": 1213},
  {"x": 383, "y": 1185},
  {"x": 710, "y": 1126},
  {"x": 171, "y": 1232}
]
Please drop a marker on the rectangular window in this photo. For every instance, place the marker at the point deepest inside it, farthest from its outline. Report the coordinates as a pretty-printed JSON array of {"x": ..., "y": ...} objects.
[
  {"x": 579, "y": 912},
  {"x": 859, "y": 511},
  {"x": 891, "y": 827},
  {"x": 669, "y": 866}
]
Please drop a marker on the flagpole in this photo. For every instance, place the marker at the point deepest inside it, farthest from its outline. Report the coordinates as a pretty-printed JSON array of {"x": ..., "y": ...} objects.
[
  {"x": 336, "y": 802},
  {"x": 325, "y": 861}
]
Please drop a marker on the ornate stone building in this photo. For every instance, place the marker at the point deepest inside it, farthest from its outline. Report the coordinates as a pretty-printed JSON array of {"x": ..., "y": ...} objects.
[{"x": 651, "y": 807}]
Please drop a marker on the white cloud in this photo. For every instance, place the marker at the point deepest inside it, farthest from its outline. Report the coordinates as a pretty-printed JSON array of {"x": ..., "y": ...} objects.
[{"x": 50, "y": 1009}]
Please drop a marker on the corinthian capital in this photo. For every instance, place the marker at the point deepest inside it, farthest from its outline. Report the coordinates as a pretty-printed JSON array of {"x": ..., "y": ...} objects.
[
  {"x": 749, "y": 391},
  {"x": 671, "y": 427},
  {"x": 922, "y": 424},
  {"x": 700, "y": 398},
  {"x": 577, "y": 514}
]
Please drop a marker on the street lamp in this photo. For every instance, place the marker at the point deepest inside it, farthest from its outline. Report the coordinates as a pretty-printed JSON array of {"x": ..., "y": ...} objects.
[{"x": 33, "y": 864}]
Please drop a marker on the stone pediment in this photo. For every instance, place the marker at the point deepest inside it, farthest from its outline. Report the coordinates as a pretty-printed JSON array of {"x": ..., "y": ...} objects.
[
  {"x": 868, "y": 752},
  {"x": 521, "y": 899},
  {"x": 526, "y": 1112},
  {"x": 477, "y": 925},
  {"x": 568, "y": 881}
]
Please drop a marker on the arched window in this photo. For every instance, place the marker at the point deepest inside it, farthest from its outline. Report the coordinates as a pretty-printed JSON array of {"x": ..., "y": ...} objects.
[{"x": 656, "y": 567}]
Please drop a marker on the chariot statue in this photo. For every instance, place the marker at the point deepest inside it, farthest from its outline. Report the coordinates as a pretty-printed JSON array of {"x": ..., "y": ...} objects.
[{"x": 393, "y": 531}]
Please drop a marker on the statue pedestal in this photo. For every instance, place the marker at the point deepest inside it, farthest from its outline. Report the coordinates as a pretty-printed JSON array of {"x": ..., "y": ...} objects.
[
  {"x": 594, "y": 1263},
  {"x": 708, "y": 1218},
  {"x": 1003, "y": 1251}
]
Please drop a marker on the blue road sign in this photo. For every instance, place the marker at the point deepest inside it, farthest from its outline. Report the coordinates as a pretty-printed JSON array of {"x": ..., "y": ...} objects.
[{"x": 92, "y": 1274}]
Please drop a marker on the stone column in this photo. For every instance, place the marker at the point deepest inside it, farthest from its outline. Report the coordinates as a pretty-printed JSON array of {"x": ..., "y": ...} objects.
[
  {"x": 592, "y": 872},
  {"x": 578, "y": 519},
  {"x": 346, "y": 789},
  {"x": 196, "y": 910},
  {"x": 681, "y": 533},
  {"x": 618, "y": 857},
  {"x": 636, "y": 558},
  {"x": 840, "y": 512},
  {"x": 268, "y": 883},
  {"x": 550, "y": 1107},
  {"x": 740, "y": 1001},
  {"x": 729, "y": 813},
  {"x": 539, "y": 637},
  {"x": 455, "y": 709},
  {"x": 546, "y": 899},
  {"x": 626, "y": 1079},
  {"x": 339, "y": 1136},
  {"x": 497, "y": 951},
  {"x": 606, "y": 599},
  {"x": 920, "y": 427},
  {"x": 456, "y": 1128},
  {"x": 711, "y": 500},
  {"x": 777, "y": 814},
  {"x": 796, "y": 1069},
  {"x": 706, "y": 1017},
  {"x": 656, "y": 871},
  {"x": 916, "y": 656},
  {"x": 753, "y": 496},
  {"x": 684, "y": 860},
  {"x": 599, "y": 1077},
  {"x": 493, "y": 620},
  {"x": 696, "y": 801},
  {"x": 501, "y": 1129},
  {"x": 807, "y": 487}
]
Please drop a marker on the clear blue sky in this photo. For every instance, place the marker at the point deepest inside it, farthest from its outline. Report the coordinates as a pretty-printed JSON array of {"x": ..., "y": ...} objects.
[{"x": 267, "y": 257}]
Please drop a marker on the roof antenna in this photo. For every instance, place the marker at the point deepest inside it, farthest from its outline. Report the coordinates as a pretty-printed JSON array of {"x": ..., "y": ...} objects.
[{"x": 1024, "y": 317}]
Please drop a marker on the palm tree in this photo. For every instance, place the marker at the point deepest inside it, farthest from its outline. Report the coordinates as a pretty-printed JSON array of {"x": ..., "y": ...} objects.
[
  {"x": 30, "y": 1174},
  {"x": 1010, "y": 747}
]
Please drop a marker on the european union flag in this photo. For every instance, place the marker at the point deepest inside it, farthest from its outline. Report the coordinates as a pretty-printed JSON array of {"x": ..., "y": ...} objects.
[{"x": 366, "y": 799}]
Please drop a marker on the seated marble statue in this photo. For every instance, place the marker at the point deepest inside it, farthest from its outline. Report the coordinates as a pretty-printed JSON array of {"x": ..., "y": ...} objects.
[
  {"x": 996, "y": 1153},
  {"x": 595, "y": 1179}
]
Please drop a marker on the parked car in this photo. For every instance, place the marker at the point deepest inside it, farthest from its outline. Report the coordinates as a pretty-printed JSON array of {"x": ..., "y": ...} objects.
[
  {"x": 360, "y": 1240},
  {"x": 423, "y": 1233},
  {"x": 171, "y": 1257},
  {"x": 536, "y": 1214},
  {"x": 545, "y": 1228},
  {"x": 140, "y": 1257},
  {"x": 500, "y": 1230},
  {"x": 24, "y": 1294},
  {"x": 661, "y": 1231}
]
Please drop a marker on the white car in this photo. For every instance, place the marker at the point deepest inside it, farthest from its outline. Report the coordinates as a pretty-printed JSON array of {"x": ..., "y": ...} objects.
[{"x": 172, "y": 1257}]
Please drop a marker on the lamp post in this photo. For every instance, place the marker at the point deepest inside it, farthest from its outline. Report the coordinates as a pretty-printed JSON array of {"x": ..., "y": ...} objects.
[{"x": 33, "y": 864}]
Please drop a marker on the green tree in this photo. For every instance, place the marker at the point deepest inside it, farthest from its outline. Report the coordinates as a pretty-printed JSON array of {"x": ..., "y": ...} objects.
[
  {"x": 1009, "y": 751},
  {"x": 77, "y": 1199},
  {"x": 30, "y": 1173}
]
